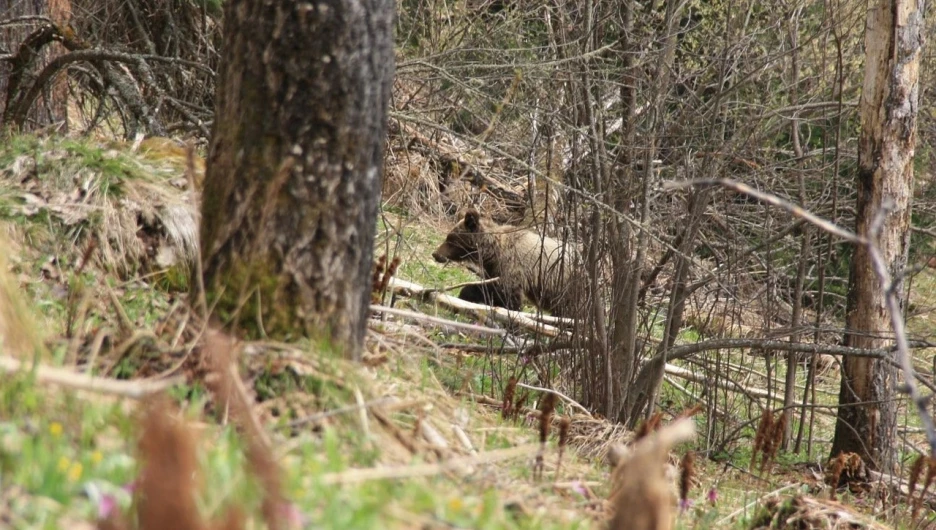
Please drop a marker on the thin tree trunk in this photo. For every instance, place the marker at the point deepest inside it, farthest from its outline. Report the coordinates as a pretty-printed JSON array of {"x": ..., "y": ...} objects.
[
  {"x": 893, "y": 42},
  {"x": 295, "y": 166}
]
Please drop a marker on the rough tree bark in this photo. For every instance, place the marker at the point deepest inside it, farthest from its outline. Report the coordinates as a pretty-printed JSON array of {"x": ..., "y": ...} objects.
[
  {"x": 866, "y": 421},
  {"x": 295, "y": 166}
]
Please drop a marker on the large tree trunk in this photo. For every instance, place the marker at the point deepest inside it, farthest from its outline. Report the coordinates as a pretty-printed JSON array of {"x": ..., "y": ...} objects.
[
  {"x": 893, "y": 42},
  {"x": 295, "y": 166}
]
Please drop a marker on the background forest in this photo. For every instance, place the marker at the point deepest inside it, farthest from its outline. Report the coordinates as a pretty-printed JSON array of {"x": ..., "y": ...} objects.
[{"x": 577, "y": 119}]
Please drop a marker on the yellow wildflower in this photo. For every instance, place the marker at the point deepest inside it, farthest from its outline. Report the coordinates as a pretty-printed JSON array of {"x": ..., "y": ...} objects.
[
  {"x": 63, "y": 464},
  {"x": 96, "y": 457},
  {"x": 74, "y": 472},
  {"x": 455, "y": 504},
  {"x": 55, "y": 429}
]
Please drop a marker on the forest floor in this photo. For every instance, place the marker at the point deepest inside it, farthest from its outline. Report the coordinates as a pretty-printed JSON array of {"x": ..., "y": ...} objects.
[{"x": 95, "y": 237}]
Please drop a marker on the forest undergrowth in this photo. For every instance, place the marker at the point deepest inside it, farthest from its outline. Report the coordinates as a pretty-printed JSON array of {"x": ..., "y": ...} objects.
[{"x": 432, "y": 430}]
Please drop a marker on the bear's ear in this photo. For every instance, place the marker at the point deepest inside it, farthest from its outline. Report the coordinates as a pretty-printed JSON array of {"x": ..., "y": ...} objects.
[{"x": 472, "y": 220}]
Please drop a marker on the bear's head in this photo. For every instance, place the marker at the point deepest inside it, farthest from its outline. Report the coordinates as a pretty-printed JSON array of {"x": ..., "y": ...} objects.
[{"x": 462, "y": 242}]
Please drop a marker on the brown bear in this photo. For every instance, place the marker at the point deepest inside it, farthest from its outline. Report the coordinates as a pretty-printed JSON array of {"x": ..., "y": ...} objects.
[
  {"x": 492, "y": 294},
  {"x": 526, "y": 263}
]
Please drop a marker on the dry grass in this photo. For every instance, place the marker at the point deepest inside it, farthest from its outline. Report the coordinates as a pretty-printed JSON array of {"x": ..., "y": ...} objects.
[
  {"x": 136, "y": 206},
  {"x": 810, "y": 513},
  {"x": 416, "y": 421},
  {"x": 18, "y": 331}
]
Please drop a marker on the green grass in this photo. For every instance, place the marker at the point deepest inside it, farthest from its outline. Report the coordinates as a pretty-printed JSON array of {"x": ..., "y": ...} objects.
[
  {"x": 52, "y": 448},
  {"x": 55, "y": 451},
  {"x": 60, "y": 451}
]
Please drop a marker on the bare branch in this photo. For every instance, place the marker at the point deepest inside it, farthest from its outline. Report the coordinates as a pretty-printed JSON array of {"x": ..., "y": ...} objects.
[
  {"x": 100, "y": 385},
  {"x": 889, "y": 285},
  {"x": 793, "y": 209},
  {"x": 440, "y": 321}
]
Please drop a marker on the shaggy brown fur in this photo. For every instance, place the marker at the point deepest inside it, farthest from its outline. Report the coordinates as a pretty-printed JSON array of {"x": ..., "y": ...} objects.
[{"x": 526, "y": 263}]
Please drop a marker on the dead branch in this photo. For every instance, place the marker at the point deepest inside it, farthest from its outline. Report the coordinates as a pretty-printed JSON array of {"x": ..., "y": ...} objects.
[
  {"x": 100, "y": 385},
  {"x": 440, "y": 321},
  {"x": 564, "y": 397},
  {"x": 793, "y": 209},
  {"x": 462, "y": 465},
  {"x": 527, "y": 321},
  {"x": 22, "y": 61},
  {"x": 25, "y": 18},
  {"x": 17, "y": 111},
  {"x": 888, "y": 284},
  {"x": 896, "y": 315},
  {"x": 460, "y": 285}
]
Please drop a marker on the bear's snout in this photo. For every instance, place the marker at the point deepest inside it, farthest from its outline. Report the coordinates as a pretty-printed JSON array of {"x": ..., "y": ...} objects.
[{"x": 439, "y": 257}]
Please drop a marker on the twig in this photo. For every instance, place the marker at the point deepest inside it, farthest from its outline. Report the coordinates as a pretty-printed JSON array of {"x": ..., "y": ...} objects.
[
  {"x": 755, "y": 502},
  {"x": 463, "y": 438},
  {"x": 889, "y": 286},
  {"x": 101, "y": 385},
  {"x": 316, "y": 418},
  {"x": 795, "y": 210},
  {"x": 362, "y": 413},
  {"x": 903, "y": 350},
  {"x": 25, "y": 18},
  {"x": 436, "y": 320},
  {"x": 527, "y": 321},
  {"x": 427, "y": 470},
  {"x": 459, "y": 285},
  {"x": 564, "y": 397}
]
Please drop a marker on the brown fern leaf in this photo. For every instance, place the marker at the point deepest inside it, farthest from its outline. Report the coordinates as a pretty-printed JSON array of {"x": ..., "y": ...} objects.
[
  {"x": 546, "y": 413},
  {"x": 547, "y": 407},
  {"x": 775, "y": 440},
  {"x": 763, "y": 429},
  {"x": 391, "y": 272},
  {"x": 915, "y": 470},
  {"x": 930, "y": 475},
  {"x": 507, "y": 405},
  {"x": 379, "y": 269},
  {"x": 648, "y": 426},
  {"x": 564, "y": 423},
  {"x": 168, "y": 479},
  {"x": 690, "y": 412},
  {"x": 686, "y": 476},
  {"x": 230, "y": 391},
  {"x": 641, "y": 495}
]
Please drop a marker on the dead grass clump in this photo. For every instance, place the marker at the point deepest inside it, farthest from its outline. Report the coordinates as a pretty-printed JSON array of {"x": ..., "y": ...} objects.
[
  {"x": 642, "y": 498},
  {"x": 595, "y": 438},
  {"x": 139, "y": 209},
  {"x": 18, "y": 335},
  {"x": 806, "y": 513}
]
